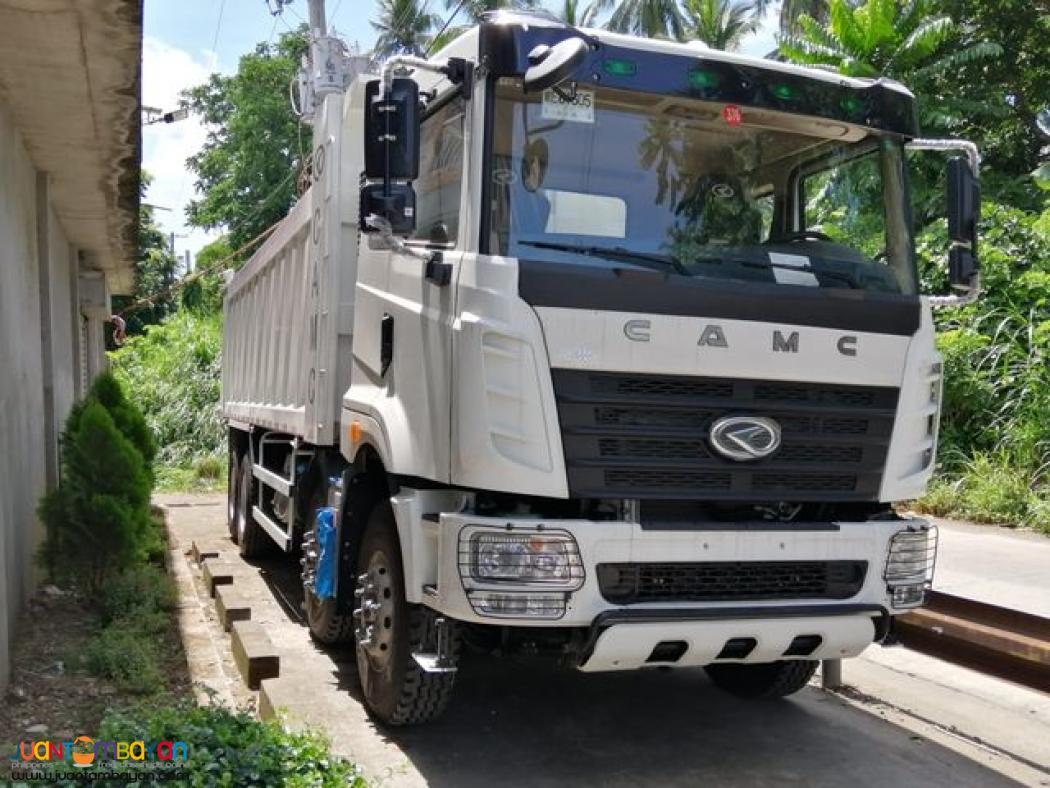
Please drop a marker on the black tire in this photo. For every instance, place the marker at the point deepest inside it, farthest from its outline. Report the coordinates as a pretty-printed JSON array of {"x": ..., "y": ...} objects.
[
  {"x": 252, "y": 540},
  {"x": 328, "y": 624},
  {"x": 233, "y": 486},
  {"x": 764, "y": 680},
  {"x": 396, "y": 690}
]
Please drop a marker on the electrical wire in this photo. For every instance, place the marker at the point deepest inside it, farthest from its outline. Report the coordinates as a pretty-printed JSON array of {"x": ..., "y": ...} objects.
[
  {"x": 444, "y": 27},
  {"x": 149, "y": 300}
]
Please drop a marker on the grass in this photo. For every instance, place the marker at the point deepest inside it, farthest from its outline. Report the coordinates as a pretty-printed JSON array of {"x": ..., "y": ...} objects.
[{"x": 990, "y": 490}]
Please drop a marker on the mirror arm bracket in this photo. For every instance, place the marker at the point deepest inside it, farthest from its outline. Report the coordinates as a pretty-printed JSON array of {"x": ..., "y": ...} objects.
[{"x": 973, "y": 157}]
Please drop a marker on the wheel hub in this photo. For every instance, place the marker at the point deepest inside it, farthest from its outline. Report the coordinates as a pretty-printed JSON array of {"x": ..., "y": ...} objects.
[{"x": 374, "y": 616}]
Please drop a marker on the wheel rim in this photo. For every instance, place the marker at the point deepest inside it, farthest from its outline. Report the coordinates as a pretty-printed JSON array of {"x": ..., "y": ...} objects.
[
  {"x": 242, "y": 507},
  {"x": 231, "y": 496},
  {"x": 374, "y": 616}
]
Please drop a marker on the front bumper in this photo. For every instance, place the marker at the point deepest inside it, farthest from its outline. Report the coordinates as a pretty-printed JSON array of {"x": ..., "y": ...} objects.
[{"x": 844, "y": 631}]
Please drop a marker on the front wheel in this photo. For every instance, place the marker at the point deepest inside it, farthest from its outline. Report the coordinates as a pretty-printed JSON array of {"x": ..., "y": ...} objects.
[
  {"x": 388, "y": 630},
  {"x": 763, "y": 680}
]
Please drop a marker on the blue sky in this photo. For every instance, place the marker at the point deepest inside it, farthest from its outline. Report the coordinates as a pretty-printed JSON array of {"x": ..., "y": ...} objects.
[{"x": 186, "y": 40}]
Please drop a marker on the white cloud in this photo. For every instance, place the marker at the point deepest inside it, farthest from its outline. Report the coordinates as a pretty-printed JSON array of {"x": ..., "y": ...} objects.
[{"x": 166, "y": 72}]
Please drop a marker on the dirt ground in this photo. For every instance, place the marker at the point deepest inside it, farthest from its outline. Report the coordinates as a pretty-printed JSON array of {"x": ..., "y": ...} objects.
[{"x": 50, "y": 695}]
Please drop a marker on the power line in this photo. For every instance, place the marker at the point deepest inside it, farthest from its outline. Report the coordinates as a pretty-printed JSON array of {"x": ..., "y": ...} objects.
[
  {"x": 444, "y": 27},
  {"x": 218, "y": 28}
]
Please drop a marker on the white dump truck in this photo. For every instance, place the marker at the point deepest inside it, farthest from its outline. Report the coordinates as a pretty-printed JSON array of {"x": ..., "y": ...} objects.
[{"x": 597, "y": 347}]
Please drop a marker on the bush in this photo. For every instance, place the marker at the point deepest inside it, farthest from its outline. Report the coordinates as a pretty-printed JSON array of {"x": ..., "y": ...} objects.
[
  {"x": 137, "y": 592},
  {"x": 233, "y": 748},
  {"x": 98, "y": 519},
  {"x": 173, "y": 372},
  {"x": 994, "y": 453},
  {"x": 126, "y": 655}
]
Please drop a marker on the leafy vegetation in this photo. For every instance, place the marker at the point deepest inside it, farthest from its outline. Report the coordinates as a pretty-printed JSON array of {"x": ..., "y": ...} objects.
[
  {"x": 245, "y": 170},
  {"x": 232, "y": 748},
  {"x": 175, "y": 371},
  {"x": 98, "y": 519}
]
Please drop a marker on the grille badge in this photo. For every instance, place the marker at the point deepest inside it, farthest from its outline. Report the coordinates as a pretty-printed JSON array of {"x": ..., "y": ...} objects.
[{"x": 744, "y": 438}]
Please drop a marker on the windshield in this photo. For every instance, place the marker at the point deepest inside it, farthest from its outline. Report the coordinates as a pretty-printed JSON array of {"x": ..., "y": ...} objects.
[{"x": 613, "y": 178}]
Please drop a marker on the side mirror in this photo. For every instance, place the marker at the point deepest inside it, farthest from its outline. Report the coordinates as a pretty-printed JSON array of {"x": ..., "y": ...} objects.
[
  {"x": 394, "y": 203},
  {"x": 391, "y": 158},
  {"x": 964, "y": 207},
  {"x": 392, "y": 131},
  {"x": 550, "y": 65}
]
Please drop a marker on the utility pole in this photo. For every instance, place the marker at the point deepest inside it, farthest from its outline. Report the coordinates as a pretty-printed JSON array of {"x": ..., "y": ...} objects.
[{"x": 317, "y": 21}]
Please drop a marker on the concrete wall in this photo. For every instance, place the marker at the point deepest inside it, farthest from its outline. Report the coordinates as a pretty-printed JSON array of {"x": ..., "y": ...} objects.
[{"x": 39, "y": 359}]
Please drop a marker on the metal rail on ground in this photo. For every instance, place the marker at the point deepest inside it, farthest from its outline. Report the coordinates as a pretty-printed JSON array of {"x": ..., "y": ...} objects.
[{"x": 1005, "y": 643}]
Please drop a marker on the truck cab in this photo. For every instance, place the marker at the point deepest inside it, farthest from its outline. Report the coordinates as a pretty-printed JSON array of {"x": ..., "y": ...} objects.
[{"x": 633, "y": 360}]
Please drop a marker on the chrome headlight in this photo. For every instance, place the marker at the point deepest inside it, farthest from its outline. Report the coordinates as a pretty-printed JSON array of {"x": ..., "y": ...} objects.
[{"x": 547, "y": 558}]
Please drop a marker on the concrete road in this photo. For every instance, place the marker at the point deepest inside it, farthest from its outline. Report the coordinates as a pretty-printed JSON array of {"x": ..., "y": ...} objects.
[
  {"x": 996, "y": 565},
  {"x": 515, "y": 723}
]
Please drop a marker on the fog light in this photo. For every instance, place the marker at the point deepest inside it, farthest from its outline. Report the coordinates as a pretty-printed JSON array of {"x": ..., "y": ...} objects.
[
  {"x": 547, "y": 558},
  {"x": 908, "y": 595},
  {"x": 517, "y": 605}
]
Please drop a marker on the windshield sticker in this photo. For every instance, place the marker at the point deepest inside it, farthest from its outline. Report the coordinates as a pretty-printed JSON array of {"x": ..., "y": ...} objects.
[
  {"x": 732, "y": 114},
  {"x": 792, "y": 269},
  {"x": 579, "y": 109}
]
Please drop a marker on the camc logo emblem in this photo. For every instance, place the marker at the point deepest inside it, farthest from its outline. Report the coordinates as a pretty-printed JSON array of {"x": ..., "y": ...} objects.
[{"x": 745, "y": 437}]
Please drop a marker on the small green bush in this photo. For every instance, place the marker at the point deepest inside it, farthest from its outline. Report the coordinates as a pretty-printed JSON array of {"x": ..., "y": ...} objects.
[
  {"x": 136, "y": 592},
  {"x": 210, "y": 468},
  {"x": 233, "y": 748},
  {"x": 98, "y": 519},
  {"x": 127, "y": 656}
]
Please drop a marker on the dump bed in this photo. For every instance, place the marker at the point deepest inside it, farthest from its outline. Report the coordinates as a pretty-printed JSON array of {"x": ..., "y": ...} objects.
[{"x": 289, "y": 310}]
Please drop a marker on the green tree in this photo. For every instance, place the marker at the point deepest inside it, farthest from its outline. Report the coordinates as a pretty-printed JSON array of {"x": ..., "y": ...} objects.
[
  {"x": 246, "y": 168},
  {"x": 155, "y": 270},
  {"x": 403, "y": 26},
  {"x": 721, "y": 24},
  {"x": 1001, "y": 97},
  {"x": 652, "y": 18},
  {"x": 883, "y": 38}
]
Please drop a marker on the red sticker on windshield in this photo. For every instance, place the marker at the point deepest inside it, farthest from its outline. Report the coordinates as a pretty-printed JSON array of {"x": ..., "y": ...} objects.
[{"x": 733, "y": 115}]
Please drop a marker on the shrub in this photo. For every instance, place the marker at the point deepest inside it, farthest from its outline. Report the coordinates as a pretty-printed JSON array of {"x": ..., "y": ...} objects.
[
  {"x": 98, "y": 519},
  {"x": 173, "y": 371},
  {"x": 234, "y": 748},
  {"x": 124, "y": 654},
  {"x": 136, "y": 592}
]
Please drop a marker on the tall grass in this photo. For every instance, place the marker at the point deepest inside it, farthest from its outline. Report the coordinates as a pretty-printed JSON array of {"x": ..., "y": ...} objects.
[
  {"x": 173, "y": 371},
  {"x": 994, "y": 455}
]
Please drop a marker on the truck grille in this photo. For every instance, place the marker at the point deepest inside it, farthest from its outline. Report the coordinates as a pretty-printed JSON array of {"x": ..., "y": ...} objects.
[
  {"x": 628, "y": 435},
  {"x": 727, "y": 581}
]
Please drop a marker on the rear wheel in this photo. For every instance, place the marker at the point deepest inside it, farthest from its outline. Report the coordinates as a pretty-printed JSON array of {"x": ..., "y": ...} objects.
[
  {"x": 233, "y": 485},
  {"x": 763, "y": 680},
  {"x": 388, "y": 630},
  {"x": 251, "y": 539},
  {"x": 328, "y": 625}
]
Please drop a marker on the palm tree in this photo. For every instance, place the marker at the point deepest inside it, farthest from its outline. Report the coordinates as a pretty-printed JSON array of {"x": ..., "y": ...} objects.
[
  {"x": 882, "y": 38},
  {"x": 403, "y": 26},
  {"x": 475, "y": 8},
  {"x": 792, "y": 10},
  {"x": 572, "y": 14},
  {"x": 652, "y": 18},
  {"x": 720, "y": 23}
]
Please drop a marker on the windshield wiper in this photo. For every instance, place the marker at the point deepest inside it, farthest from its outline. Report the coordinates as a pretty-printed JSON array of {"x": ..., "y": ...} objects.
[
  {"x": 768, "y": 264},
  {"x": 614, "y": 253}
]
